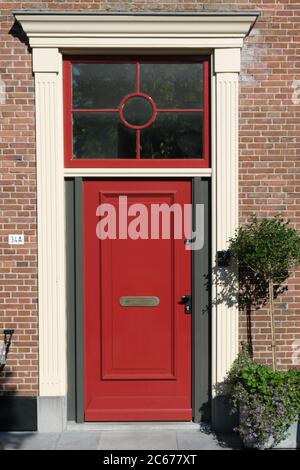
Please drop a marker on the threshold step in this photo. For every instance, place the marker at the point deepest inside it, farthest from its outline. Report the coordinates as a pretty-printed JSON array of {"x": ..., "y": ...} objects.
[{"x": 126, "y": 426}]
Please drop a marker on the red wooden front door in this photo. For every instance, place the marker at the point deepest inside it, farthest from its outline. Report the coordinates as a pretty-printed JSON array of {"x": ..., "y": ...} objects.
[{"x": 137, "y": 357}]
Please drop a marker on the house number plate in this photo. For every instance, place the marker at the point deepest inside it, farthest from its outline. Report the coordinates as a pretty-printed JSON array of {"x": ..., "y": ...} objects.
[{"x": 139, "y": 301}]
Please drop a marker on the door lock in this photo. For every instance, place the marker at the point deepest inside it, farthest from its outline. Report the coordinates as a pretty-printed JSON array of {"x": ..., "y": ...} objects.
[{"x": 186, "y": 300}]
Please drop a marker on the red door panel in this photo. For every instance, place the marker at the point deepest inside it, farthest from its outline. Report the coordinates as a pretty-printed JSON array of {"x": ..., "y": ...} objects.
[{"x": 137, "y": 358}]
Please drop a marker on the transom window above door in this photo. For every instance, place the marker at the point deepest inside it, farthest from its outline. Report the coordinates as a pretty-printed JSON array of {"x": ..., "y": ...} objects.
[{"x": 150, "y": 112}]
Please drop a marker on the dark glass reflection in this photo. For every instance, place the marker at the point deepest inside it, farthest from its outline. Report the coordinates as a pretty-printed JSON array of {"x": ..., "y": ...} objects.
[
  {"x": 173, "y": 85},
  {"x": 102, "y": 135},
  {"x": 173, "y": 135},
  {"x": 137, "y": 111},
  {"x": 101, "y": 85}
]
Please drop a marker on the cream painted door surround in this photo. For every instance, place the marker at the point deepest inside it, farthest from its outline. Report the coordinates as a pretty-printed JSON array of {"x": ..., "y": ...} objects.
[{"x": 53, "y": 34}]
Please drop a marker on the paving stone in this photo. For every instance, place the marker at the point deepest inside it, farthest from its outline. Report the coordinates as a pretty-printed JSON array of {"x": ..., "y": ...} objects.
[
  {"x": 119, "y": 440},
  {"x": 196, "y": 440},
  {"x": 78, "y": 440},
  {"x": 28, "y": 441},
  {"x": 138, "y": 440}
]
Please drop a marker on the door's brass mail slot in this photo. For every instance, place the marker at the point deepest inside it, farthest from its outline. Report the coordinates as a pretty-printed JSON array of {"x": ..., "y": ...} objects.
[{"x": 139, "y": 301}]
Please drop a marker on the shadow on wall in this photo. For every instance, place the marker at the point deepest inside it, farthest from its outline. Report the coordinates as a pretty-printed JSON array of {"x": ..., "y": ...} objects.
[
  {"x": 6, "y": 417},
  {"x": 17, "y": 413},
  {"x": 245, "y": 290},
  {"x": 17, "y": 32}
]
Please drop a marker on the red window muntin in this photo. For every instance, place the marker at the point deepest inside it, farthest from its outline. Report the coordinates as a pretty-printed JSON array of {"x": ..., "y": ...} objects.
[{"x": 70, "y": 162}]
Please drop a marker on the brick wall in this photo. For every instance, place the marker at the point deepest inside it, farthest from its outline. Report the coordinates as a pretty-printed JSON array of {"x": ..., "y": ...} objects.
[
  {"x": 270, "y": 151},
  {"x": 269, "y": 163},
  {"x": 18, "y": 274}
]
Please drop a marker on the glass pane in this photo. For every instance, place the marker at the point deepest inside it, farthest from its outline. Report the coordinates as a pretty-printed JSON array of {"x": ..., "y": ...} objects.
[
  {"x": 173, "y": 135},
  {"x": 101, "y": 85},
  {"x": 173, "y": 85},
  {"x": 102, "y": 135},
  {"x": 137, "y": 111}
]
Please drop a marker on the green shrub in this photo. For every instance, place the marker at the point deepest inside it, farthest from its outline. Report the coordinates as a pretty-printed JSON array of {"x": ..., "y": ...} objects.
[
  {"x": 266, "y": 250},
  {"x": 268, "y": 401}
]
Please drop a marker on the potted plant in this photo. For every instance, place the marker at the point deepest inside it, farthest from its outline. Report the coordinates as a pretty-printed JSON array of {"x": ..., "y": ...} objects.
[{"x": 268, "y": 400}]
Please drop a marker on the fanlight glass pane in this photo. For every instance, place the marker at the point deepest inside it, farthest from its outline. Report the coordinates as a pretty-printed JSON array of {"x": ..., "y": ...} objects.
[
  {"x": 137, "y": 111},
  {"x": 173, "y": 135},
  {"x": 173, "y": 85},
  {"x": 110, "y": 101},
  {"x": 102, "y": 135},
  {"x": 100, "y": 86}
]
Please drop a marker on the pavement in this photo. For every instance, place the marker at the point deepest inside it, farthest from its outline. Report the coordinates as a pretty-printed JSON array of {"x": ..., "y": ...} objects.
[{"x": 134, "y": 439}]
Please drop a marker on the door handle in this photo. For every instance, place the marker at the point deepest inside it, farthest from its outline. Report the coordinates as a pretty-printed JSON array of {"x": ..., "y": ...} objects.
[{"x": 186, "y": 300}]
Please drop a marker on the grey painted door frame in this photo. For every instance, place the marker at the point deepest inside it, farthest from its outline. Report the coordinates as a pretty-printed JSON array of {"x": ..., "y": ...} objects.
[{"x": 201, "y": 300}]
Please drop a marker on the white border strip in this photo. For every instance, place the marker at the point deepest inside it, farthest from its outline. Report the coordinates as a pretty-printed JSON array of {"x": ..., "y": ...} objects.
[{"x": 138, "y": 172}]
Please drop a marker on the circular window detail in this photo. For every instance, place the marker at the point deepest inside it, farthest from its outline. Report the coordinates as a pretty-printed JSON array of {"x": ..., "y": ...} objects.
[{"x": 137, "y": 111}]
